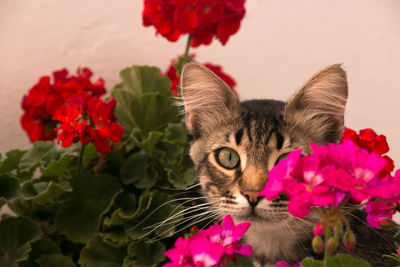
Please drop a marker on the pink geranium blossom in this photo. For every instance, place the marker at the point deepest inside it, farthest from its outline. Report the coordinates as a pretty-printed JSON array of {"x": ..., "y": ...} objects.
[
  {"x": 326, "y": 177},
  {"x": 212, "y": 247}
]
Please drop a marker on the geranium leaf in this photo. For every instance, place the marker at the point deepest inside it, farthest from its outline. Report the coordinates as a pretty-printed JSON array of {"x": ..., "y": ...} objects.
[
  {"x": 143, "y": 254},
  {"x": 58, "y": 260},
  {"x": 92, "y": 196},
  {"x": 177, "y": 131},
  {"x": 44, "y": 192},
  {"x": 123, "y": 110},
  {"x": 182, "y": 179},
  {"x": 16, "y": 234},
  {"x": 116, "y": 238},
  {"x": 343, "y": 260},
  {"x": 8, "y": 186},
  {"x": 36, "y": 154},
  {"x": 41, "y": 247},
  {"x": 144, "y": 79},
  {"x": 149, "y": 143},
  {"x": 135, "y": 168},
  {"x": 96, "y": 253},
  {"x": 56, "y": 167},
  {"x": 339, "y": 260},
  {"x": 153, "y": 112},
  {"x": 89, "y": 154},
  {"x": 11, "y": 162}
]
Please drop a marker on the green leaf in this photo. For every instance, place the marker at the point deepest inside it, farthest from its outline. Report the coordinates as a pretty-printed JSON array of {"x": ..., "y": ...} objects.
[
  {"x": 44, "y": 192},
  {"x": 153, "y": 112},
  {"x": 92, "y": 196},
  {"x": 143, "y": 254},
  {"x": 177, "y": 131},
  {"x": 182, "y": 179},
  {"x": 144, "y": 79},
  {"x": 41, "y": 247},
  {"x": 116, "y": 238},
  {"x": 339, "y": 260},
  {"x": 89, "y": 154},
  {"x": 11, "y": 162},
  {"x": 149, "y": 143},
  {"x": 8, "y": 186},
  {"x": 40, "y": 151},
  {"x": 136, "y": 171},
  {"x": 56, "y": 167},
  {"x": 96, "y": 253},
  {"x": 16, "y": 234},
  {"x": 55, "y": 260}
]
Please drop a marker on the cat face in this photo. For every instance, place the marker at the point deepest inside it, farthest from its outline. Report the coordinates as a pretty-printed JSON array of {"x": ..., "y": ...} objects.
[{"x": 237, "y": 143}]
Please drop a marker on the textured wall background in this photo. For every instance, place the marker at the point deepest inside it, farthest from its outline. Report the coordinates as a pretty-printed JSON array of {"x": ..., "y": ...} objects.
[{"x": 279, "y": 46}]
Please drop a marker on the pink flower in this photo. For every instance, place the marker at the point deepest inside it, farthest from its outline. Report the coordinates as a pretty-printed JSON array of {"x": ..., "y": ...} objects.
[
  {"x": 211, "y": 247},
  {"x": 325, "y": 177}
]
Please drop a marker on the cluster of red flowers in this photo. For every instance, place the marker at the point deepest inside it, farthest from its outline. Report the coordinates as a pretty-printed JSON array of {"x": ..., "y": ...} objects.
[
  {"x": 75, "y": 102},
  {"x": 369, "y": 140},
  {"x": 203, "y": 19},
  {"x": 174, "y": 78}
]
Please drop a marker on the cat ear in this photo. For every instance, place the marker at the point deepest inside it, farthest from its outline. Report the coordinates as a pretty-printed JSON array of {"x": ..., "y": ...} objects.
[
  {"x": 208, "y": 100},
  {"x": 317, "y": 109}
]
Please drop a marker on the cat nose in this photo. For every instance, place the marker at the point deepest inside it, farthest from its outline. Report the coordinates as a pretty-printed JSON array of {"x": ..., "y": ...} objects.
[{"x": 252, "y": 198}]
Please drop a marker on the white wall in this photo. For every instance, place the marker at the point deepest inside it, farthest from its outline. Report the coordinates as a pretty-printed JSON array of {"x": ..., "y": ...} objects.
[{"x": 279, "y": 46}]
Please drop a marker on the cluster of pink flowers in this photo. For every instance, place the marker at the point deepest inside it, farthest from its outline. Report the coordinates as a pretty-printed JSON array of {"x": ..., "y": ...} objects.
[
  {"x": 212, "y": 247},
  {"x": 333, "y": 175}
]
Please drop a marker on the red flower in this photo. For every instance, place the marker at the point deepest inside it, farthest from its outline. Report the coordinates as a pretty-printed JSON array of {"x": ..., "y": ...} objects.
[
  {"x": 45, "y": 99},
  {"x": 368, "y": 139},
  {"x": 174, "y": 78},
  {"x": 101, "y": 127},
  {"x": 72, "y": 123},
  {"x": 203, "y": 19}
]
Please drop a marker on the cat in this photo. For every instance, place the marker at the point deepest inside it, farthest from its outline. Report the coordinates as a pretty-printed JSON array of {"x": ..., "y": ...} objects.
[{"x": 236, "y": 143}]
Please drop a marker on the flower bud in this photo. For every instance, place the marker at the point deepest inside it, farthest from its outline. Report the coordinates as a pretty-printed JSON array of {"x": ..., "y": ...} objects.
[
  {"x": 349, "y": 240},
  {"x": 332, "y": 244},
  {"x": 319, "y": 228},
  {"x": 317, "y": 244},
  {"x": 398, "y": 251},
  {"x": 386, "y": 223}
]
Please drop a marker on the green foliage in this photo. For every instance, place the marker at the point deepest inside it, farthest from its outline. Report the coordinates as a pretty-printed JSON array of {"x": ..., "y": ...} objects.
[
  {"x": 111, "y": 215},
  {"x": 339, "y": 260}
]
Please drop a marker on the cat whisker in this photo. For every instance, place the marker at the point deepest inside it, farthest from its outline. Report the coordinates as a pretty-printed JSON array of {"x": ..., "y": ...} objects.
[
  {"x": 166, "y": 203},
  {"x": 185, "y": 227},
  {"x": 185, "y": 211}
]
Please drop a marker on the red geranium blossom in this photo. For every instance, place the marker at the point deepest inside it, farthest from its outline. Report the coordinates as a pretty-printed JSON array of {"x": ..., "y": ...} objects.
[
  {"x": 174, "y": 78},
  {"x": 96, "y": 123},
  {"x": 44, "y": 100},
  {"x": 203, "y": 19}
]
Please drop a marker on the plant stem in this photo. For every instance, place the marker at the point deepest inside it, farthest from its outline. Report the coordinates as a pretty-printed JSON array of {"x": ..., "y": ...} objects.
[
  {"x": 188, "y": 42},
  {"x": 327, "y": 236},
  {"x": 80, "y": 160}
]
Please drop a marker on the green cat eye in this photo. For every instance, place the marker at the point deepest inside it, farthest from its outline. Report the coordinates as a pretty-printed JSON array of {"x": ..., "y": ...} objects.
[{"x": 227, "y": 158}]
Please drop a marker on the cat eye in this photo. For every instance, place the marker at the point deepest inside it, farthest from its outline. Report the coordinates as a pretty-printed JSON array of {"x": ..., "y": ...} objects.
[
  {"x": 281, "y": 157},
  {"x": 227, "y": 158}
]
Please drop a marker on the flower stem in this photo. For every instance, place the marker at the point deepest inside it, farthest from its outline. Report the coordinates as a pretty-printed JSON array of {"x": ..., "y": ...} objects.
[
  {"x": 327, "y": 236},
  {"x": 80, "y": 160},
  {"x": 189, "y": 41}
]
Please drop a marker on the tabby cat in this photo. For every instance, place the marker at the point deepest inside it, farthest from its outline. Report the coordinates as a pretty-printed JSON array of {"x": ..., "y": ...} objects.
[{"x": 235, "y": 144}]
